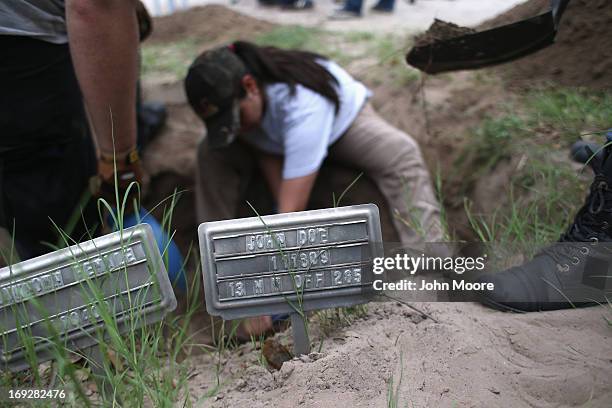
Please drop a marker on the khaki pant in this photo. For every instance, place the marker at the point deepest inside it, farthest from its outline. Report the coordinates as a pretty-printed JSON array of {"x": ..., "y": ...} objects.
[{"x": 388, "y": 156}]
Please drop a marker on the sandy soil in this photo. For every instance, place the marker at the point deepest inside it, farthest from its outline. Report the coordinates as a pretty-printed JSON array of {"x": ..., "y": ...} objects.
[
  {"x": 582, "y": 55},
  {"x": 469, "y": 357}
]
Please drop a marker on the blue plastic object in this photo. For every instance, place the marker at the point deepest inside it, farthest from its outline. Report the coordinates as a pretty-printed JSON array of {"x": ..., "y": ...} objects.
[
  {"x": 279, "y": 317},
  {"x": 172, "y": 255}
]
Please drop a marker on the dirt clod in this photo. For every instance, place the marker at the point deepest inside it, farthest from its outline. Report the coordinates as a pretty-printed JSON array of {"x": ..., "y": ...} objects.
[
  {"x": 441, "y": 30},
  {"x": 417, "y": 318},
  {"x": 275, "y": 353}
]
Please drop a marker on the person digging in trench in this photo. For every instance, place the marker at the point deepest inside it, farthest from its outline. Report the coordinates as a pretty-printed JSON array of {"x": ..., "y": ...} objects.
[{"x": 286, "y": 111}]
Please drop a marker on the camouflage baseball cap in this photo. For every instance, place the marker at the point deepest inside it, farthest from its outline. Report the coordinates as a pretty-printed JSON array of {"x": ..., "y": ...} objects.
[{"x": 213, "y": 85}]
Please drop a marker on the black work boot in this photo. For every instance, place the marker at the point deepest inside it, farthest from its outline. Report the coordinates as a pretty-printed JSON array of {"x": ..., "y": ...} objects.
[{"x": 570, "y": 273}]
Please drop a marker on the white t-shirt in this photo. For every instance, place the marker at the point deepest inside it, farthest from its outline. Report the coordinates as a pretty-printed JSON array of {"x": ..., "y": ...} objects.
[{"x": 302, "y": 126}]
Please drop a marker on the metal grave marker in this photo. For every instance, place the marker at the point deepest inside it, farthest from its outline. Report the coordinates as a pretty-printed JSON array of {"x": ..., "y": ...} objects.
[
  {"x": 272, "y": 264},
  {"x": 64, "y": 295}
]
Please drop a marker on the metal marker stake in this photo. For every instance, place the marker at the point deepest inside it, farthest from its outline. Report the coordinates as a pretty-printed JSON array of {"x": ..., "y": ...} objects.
[
  {"x": 97, "y": 358},
  {"x": 301, "y": 343}
]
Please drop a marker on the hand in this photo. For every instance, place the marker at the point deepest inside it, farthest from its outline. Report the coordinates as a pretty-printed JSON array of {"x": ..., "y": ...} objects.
[
  {"x": 253, "y": 326},
  {"x": 129, "y": 171}
]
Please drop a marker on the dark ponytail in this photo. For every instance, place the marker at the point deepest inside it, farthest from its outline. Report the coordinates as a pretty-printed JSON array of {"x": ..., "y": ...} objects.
[{"x": 270, "y": 64}]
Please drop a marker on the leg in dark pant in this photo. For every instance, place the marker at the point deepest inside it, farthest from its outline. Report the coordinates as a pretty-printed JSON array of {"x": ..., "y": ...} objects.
[
  {"x": 50, "y": 186},
  {"x": 384, "y": 5},
  {"x": 353, "y": 6}
]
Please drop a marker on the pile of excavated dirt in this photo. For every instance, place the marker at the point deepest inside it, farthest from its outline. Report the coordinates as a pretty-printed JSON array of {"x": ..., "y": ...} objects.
[
  {"x": 211, "y": 24},
  {"x": 467, "y": 357},
  {"x": 522, "y": 11},
  {"x": 582, "y": 54}
]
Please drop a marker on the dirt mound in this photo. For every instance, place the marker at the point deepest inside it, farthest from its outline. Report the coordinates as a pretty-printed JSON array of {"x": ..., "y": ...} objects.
[
  {"x": 582, "y": 54},
  {"x": 522, "y": 11},
  {"x": 210, "y": 24},
  {"x": 542, "y": 359}
]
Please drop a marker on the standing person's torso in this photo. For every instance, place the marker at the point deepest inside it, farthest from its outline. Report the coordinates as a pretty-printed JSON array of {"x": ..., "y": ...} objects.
[
  {"x": 40, "y": 19},
  {"x": 303, "y": 124}
]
